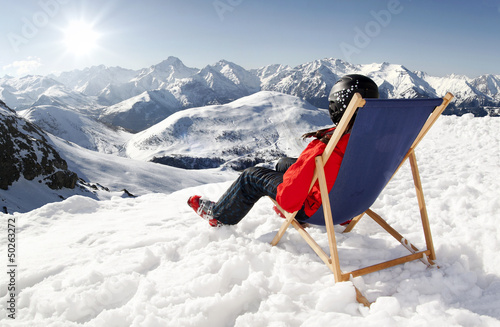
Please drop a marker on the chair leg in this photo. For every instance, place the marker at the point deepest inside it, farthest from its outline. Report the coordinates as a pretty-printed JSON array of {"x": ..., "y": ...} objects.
[
  {"x": 394, "y": 233},
  {"x": 332, "y": 242},
  {"x": 353, "y": 223},
  {"x": 289, "y": 218},
  {"x": 361, "y": 298},
  {"x": 421, "y": 204}
]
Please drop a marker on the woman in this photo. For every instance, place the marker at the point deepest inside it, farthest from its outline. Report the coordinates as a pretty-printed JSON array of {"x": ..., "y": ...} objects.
[{"x": 289, "y": 183}]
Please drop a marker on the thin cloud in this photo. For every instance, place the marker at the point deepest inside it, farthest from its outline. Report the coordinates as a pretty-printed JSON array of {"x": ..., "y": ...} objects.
[{"x": 24, "y": 67}]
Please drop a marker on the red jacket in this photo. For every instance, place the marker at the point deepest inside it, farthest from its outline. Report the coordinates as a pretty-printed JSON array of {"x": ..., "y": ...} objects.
[{"x": 292, "y": 193}]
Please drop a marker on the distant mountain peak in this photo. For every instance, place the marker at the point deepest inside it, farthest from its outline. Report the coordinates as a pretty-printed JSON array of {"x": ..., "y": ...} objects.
[
  {"x": 224, "y": 62},
  {"x": 167, "y": 70},
  {"x": 169, "y": 62}
]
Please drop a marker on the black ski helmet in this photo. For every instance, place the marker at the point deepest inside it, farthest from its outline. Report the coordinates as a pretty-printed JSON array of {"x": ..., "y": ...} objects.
[{"x": 343, "y": 90}]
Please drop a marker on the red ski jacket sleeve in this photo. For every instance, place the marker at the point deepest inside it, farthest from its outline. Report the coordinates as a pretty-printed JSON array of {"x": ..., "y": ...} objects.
[{"x": 293, "y": 192}]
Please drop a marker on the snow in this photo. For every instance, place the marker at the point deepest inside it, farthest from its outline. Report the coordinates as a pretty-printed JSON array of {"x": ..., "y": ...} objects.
[
  {"x": 151, "y": 261},
  {"x": 142, "y": 111},
  {"x": 138, "y": 177},
  {"x": 77, "y": 128},
  {"x": 265, "y": 122}
]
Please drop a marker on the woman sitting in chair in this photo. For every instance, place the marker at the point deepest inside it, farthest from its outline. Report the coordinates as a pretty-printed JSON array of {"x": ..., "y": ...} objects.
[{"x": 289, "y": 183}]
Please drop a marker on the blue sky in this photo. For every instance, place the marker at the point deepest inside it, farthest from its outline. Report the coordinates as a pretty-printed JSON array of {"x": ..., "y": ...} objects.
[{"x": 438, "y": 37}]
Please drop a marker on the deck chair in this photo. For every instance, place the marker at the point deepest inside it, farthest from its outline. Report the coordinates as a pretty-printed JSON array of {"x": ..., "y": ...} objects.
[{"x": 385, "y": 133}]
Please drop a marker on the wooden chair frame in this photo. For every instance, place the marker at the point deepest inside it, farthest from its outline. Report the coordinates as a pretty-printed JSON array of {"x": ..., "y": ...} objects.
[{"x": 427, "y": 255}]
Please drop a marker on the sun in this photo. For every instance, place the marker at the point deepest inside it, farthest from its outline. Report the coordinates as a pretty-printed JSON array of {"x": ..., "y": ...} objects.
[{"x": 80, "y": 38}]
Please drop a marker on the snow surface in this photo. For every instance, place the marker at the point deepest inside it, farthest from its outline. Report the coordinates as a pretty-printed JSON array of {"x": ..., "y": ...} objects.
[
  {"x": 151, "y": 261},
  {"x": 138, "y": 177}
]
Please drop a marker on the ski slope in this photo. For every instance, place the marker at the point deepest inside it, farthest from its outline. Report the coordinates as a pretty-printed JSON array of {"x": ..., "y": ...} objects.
[{"x": 151, "y": 261}]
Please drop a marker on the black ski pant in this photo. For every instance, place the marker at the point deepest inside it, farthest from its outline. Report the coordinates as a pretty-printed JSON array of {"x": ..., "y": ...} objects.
[{"x": 249, "y": 187}]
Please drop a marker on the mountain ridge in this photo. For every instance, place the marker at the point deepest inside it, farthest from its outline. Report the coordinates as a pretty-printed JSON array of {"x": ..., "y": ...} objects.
[
  {"x": 225, "y": 81},
  {"x": 115, "y": 98}
]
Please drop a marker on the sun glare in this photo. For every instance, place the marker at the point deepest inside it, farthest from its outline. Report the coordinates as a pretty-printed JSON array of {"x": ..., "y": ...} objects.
[{"x": 80, "y": 38}]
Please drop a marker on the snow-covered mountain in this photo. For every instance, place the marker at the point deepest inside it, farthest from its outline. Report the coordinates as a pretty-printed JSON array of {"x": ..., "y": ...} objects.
[
  {"x": 488, "y": 85},
  {"x": 21, "y": 93},
  {"x": 27, "y": 154},
  {"x": 78, "y": 128},
  {"x": 142, "y": 111},
  {"x": 254, "y": 129},
  {"x": 101, "y": 177},
  {"x": 157, "y": 92},
  {"x": 37, "y": 168},
  {"x": 93, "y": 80},
  {"x": 224, "y": 82},
  {"x": 29, "y": 91},
  {"x": 218, "y": 83},
  {"x": 160, "y": 76},
  {"x": 311, "y": 81}
]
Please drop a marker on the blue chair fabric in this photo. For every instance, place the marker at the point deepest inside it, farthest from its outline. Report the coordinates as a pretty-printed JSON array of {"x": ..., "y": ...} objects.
[{"x": 383, "y": 133}]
